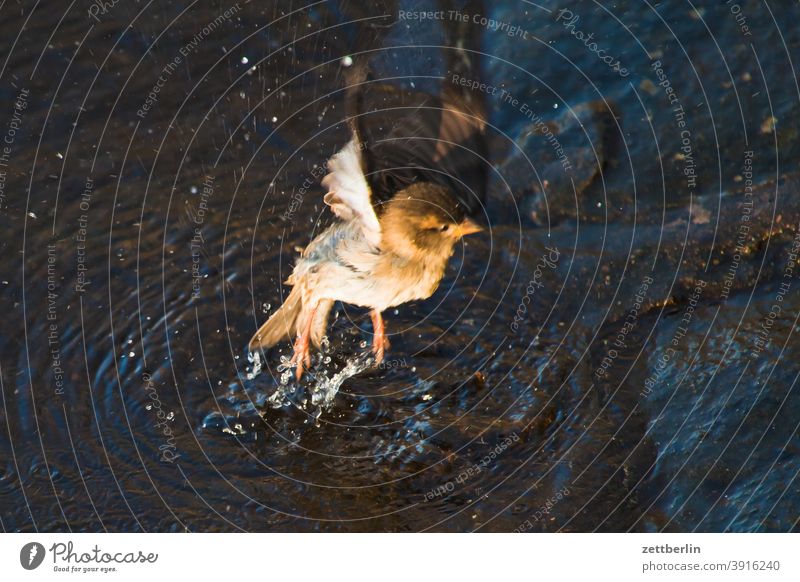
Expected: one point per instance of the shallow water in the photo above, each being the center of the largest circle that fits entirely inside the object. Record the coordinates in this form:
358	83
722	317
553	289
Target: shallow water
613	354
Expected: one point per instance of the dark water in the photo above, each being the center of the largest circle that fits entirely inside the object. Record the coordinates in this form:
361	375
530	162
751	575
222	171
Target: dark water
617	353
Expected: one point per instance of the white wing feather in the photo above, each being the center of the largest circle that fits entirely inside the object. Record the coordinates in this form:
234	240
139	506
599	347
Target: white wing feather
348	194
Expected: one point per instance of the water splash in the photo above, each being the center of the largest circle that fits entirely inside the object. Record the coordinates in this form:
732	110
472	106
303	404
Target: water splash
325	388
325	375
255	359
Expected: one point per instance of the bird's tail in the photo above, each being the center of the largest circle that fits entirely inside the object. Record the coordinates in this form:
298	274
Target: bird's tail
282	325
290	319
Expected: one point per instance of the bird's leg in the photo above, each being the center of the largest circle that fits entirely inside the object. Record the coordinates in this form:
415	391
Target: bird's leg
380	343
302	356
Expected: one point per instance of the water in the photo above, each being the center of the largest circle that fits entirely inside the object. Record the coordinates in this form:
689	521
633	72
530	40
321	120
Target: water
615	354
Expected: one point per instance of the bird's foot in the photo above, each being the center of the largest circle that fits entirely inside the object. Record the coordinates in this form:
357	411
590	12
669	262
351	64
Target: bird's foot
302	356
380	343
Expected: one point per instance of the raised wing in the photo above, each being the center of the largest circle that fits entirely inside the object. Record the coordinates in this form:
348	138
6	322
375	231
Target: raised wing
461	123
416	127
414	137
349	194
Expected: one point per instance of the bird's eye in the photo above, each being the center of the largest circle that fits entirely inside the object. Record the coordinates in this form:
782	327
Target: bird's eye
444	228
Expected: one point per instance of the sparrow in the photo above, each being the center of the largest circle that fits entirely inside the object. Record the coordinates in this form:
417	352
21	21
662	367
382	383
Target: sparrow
398	221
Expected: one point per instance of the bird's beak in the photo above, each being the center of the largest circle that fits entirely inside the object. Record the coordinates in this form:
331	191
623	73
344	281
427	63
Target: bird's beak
469	226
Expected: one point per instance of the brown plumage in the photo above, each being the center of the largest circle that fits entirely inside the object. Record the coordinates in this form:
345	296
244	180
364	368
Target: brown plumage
419	228
383	252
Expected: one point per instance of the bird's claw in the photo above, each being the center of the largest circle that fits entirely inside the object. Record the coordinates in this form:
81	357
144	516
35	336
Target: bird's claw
380	343
379	347
301	357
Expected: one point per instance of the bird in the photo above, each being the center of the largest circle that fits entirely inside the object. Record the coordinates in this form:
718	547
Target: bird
395	230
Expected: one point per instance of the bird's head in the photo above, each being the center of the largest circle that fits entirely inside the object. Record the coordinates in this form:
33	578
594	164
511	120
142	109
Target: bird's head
424	221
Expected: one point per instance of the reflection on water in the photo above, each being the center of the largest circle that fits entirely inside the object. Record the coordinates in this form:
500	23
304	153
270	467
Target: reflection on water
163	167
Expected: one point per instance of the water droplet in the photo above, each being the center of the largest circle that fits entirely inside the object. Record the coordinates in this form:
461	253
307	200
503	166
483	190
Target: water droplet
347	61
274	119
245	60
324	343
255	359
193	189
